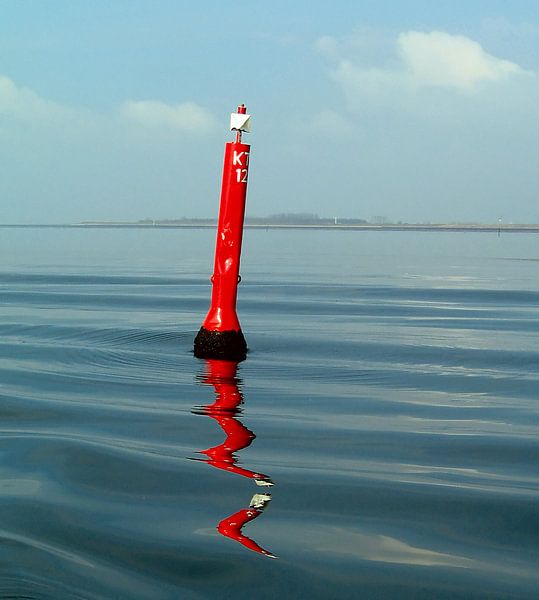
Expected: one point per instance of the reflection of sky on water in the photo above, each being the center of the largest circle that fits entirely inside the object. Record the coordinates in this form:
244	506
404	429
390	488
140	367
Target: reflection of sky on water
381	548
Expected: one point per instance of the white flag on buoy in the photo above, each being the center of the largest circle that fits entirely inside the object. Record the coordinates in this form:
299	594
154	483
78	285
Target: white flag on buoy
240	122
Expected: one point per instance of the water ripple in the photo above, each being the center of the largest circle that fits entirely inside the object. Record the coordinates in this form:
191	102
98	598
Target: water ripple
395	409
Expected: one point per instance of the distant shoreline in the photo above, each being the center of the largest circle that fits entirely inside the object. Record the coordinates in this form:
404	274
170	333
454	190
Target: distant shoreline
282	226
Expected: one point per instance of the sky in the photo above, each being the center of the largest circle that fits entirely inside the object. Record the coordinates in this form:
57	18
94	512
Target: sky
411	110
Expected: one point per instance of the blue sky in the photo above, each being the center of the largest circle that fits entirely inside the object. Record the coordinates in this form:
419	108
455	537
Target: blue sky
412	110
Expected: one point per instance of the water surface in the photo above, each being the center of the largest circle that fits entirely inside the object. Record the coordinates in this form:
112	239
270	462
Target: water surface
390	397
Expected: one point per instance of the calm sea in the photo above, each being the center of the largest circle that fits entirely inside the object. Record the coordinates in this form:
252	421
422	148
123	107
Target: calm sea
390	396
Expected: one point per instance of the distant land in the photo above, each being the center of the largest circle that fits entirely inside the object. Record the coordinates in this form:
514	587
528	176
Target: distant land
303	221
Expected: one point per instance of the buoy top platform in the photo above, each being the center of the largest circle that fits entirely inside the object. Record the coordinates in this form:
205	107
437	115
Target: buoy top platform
221	336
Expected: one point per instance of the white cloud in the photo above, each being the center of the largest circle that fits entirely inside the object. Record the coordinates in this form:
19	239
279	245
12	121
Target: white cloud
24	104
435	125
419	61
328	46
367	82
187	117
454	61
25	111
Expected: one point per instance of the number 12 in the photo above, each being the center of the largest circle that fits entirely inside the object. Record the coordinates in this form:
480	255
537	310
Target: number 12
241	175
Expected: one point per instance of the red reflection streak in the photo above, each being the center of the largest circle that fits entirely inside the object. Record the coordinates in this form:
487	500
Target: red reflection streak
222	376
231	528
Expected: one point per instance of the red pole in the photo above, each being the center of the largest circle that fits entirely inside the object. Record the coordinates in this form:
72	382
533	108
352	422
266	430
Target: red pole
220	335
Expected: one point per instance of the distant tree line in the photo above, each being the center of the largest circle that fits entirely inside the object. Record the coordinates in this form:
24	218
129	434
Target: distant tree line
278	219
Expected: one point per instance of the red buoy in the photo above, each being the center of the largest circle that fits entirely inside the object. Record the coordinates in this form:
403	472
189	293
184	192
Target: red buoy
220	335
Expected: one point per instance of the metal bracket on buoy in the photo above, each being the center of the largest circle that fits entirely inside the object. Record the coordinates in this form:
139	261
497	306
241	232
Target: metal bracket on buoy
220	335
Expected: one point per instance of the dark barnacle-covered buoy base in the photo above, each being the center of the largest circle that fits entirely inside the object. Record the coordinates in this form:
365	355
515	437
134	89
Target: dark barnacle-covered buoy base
223	345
